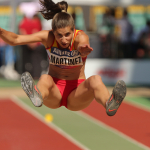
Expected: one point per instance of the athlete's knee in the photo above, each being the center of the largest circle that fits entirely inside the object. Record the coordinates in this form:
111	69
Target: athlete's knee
95	81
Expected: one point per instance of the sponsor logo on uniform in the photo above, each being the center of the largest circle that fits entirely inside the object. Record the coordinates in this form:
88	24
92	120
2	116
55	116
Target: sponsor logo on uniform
64	57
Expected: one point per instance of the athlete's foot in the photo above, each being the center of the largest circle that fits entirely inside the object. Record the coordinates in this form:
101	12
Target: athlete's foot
31	90
115	100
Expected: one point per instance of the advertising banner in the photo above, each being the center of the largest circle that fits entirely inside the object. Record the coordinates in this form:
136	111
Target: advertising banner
131	71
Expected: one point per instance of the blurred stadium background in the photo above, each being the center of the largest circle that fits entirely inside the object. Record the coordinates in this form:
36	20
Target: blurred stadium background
119	32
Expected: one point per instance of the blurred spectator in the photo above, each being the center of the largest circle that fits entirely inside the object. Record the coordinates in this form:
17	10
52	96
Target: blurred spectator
125	33
39	57
36	22
7	62
143	46
106	31
34	54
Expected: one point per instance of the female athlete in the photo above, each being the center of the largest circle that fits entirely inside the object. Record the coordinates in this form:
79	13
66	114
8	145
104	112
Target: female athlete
67	48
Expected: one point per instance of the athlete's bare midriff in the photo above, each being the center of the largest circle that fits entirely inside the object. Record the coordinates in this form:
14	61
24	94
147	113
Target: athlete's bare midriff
67	74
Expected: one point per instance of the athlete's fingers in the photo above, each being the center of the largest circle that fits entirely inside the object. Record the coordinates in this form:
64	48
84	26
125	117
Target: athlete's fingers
89	48
85	51
86	47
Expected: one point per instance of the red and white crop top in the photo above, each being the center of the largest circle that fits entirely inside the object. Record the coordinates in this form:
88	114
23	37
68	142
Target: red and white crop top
65	58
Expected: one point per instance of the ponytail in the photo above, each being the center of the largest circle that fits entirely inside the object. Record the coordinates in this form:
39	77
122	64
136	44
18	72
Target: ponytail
50	9
57	12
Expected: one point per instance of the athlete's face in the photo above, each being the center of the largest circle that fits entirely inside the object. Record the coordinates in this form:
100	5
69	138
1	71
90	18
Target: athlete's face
64	37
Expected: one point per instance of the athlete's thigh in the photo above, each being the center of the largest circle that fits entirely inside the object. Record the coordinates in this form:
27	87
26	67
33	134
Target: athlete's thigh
81	97
54	98
48	87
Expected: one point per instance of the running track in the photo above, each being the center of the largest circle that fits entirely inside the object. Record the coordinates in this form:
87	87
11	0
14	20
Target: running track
19	130
130	120
19	120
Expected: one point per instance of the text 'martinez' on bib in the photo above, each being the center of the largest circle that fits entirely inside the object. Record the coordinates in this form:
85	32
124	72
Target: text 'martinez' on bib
64	58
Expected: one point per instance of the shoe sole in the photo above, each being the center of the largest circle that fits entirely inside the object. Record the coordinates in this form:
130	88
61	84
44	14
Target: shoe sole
27	84
119	93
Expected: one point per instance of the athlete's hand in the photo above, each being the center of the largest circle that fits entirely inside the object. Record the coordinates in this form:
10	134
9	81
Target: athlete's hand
84	50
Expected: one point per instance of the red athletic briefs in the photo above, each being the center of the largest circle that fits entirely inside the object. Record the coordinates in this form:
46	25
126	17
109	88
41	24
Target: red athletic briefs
66	87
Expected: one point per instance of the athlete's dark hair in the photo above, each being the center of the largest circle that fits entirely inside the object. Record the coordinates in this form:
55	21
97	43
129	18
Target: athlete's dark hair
57	12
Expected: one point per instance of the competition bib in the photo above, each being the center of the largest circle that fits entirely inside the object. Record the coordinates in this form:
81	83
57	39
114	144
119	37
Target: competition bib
64	58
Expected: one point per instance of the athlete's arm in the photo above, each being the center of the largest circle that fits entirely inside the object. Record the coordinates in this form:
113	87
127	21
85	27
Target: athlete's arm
15	39
83	45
